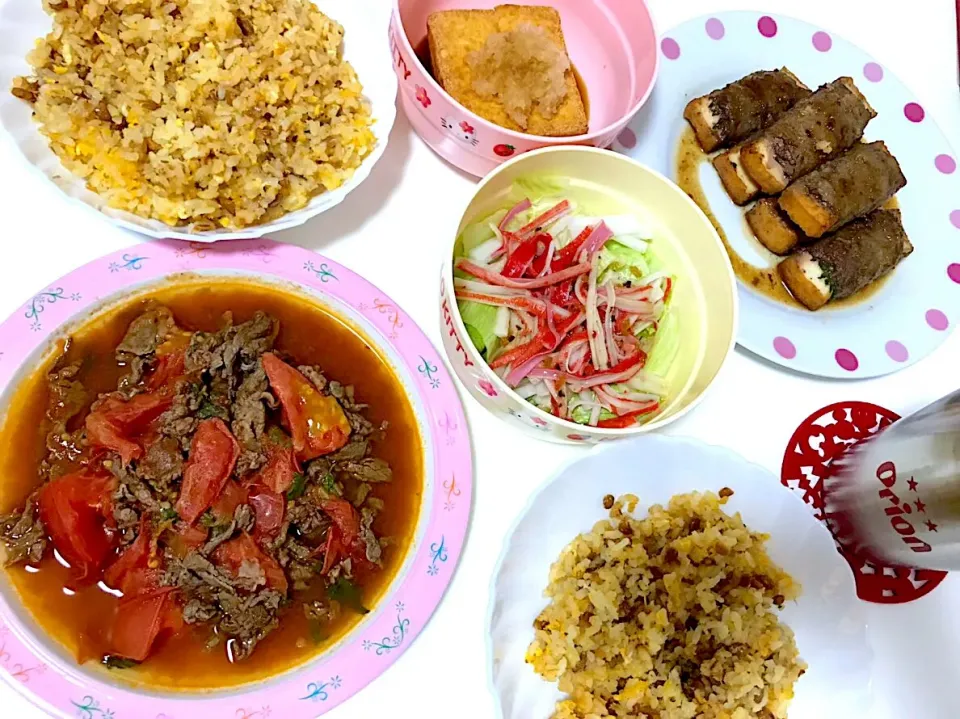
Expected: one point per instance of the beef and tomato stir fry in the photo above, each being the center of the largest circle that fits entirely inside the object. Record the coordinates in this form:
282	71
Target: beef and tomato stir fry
218	482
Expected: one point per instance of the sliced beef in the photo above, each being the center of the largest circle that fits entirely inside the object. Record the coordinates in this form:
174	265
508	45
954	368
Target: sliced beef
306	516
355	449
315	375
249	418
137	349
66	398
299	561
242	521
180	421
23	535
371	470
163	464
246	620
233	349
373	550
147	332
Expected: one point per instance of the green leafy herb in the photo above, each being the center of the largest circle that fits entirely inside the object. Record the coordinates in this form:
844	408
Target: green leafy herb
278	436
208	520
298	487
329	483
348	594
112	661
168	513
208	410
316	631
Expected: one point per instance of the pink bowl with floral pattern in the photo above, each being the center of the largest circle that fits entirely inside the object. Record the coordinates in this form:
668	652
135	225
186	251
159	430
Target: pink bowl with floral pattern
612	44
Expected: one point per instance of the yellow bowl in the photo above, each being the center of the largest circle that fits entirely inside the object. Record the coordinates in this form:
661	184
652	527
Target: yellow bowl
704	294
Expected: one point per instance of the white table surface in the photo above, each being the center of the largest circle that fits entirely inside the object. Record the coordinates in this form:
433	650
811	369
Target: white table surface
394	229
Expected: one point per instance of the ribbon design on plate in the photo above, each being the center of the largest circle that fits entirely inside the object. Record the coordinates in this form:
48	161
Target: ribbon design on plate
39	302
438	553
318	691
388	644
428	370
323	273
453	491
89	708
128	262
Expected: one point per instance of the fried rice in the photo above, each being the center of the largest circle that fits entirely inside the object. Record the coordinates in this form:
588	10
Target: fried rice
211	113
671	616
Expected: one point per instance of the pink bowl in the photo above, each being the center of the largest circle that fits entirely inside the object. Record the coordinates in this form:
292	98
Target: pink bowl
612	44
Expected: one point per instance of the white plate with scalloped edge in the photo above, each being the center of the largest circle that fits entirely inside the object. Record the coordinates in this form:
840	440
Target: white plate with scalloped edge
365	24
828	619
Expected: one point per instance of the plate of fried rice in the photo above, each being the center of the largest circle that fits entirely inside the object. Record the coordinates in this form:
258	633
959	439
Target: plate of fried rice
663	577
199	119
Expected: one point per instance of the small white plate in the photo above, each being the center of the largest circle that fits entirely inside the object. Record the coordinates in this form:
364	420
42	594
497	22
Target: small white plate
828	619
365	22
912	314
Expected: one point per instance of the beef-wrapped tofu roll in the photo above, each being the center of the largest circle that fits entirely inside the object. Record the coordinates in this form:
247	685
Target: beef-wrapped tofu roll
845	262
773	228
733	113
735	180
815	130
847	187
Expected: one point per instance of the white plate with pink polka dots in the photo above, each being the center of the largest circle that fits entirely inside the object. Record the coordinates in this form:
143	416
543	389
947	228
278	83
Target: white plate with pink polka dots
912	313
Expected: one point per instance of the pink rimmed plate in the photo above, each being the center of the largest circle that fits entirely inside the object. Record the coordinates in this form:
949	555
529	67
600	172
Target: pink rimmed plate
41	670
914	311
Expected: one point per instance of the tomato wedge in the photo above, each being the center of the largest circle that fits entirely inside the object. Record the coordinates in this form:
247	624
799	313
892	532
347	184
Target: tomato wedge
183	538
169	368
316	421
277	474
213	454
231	497
268	510
346	521
134	557
116	423
139	621
231	555
71	510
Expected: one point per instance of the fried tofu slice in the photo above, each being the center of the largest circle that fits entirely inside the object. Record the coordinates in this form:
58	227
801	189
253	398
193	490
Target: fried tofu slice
735	179
773	228
454	34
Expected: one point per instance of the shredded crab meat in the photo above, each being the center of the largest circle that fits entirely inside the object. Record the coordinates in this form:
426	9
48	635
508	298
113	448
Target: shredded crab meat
575	322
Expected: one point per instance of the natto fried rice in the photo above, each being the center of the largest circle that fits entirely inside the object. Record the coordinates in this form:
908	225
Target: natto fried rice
211	113
672	616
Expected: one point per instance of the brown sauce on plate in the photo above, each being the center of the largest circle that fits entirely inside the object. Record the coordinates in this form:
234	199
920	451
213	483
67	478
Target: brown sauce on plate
311	335
765	280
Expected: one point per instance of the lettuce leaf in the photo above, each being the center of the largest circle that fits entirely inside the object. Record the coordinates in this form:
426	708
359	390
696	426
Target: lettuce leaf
621	263
480	321
666	345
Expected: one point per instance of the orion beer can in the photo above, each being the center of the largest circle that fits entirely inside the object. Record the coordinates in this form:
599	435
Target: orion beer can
895	497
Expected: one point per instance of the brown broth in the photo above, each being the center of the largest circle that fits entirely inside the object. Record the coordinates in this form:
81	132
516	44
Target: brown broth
765	280
311	335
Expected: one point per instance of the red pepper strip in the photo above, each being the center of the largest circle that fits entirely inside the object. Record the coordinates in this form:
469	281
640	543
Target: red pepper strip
495	278
525	254
536	223
525	304
545	339
561	294
540	259
667	292
522	353
566	255
627	420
